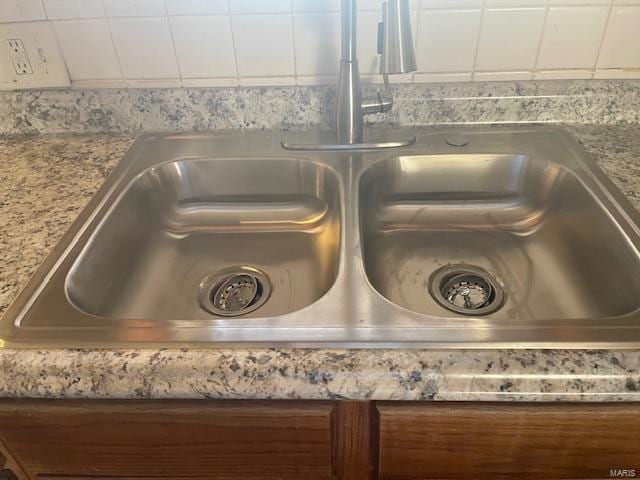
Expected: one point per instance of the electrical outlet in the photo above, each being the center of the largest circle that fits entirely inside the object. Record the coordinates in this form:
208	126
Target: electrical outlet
30	57
19	57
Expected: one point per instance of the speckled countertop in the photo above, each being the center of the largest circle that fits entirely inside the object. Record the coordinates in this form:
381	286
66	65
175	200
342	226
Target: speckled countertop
46	180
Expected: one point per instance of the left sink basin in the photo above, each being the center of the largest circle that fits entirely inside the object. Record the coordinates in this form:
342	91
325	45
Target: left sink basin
194	238
189	239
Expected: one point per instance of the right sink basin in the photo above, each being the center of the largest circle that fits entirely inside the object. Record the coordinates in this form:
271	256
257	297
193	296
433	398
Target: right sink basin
501	236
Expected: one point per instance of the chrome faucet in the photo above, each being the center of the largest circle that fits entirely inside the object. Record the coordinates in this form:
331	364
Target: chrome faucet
395	44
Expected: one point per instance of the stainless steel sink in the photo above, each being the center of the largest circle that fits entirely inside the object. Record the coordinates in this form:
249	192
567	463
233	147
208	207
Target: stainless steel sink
513	238
178	224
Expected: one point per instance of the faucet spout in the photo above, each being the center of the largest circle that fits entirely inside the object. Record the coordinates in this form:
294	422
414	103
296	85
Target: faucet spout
396	47
398	55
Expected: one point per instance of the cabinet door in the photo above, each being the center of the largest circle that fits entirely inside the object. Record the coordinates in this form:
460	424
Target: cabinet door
498	440
9	470
214	440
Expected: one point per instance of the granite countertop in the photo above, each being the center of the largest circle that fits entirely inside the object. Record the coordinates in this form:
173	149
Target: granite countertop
47	179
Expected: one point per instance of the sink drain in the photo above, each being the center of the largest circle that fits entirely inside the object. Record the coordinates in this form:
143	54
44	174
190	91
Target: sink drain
466	289
234	291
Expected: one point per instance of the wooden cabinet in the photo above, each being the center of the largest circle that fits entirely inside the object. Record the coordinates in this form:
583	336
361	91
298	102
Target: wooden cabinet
279	440
244	440
508	440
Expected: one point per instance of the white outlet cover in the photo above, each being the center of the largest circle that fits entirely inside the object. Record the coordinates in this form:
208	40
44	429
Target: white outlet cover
41	46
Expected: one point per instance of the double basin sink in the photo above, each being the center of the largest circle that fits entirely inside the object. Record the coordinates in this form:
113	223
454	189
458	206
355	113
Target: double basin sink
478	237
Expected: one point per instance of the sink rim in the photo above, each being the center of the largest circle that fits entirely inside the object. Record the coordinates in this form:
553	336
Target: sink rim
357	326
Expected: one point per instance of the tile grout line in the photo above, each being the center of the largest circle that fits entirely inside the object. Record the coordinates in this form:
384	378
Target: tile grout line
45	10
478	39
541	40
173	42
602	38
58	44
293	42
113	42
233	41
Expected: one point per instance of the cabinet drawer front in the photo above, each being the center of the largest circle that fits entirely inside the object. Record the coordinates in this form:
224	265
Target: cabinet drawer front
244	440
497	440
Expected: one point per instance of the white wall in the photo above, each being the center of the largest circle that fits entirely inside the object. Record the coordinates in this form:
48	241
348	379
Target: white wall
114	43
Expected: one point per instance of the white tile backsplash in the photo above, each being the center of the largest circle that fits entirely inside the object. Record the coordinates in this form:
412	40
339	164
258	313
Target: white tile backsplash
197	7
316	5
21	11
368	58
264	45
443	77
617	74
447	40
213	55
316	80
135	8
65	9
284	42
579	2
515	3
502	76
509	39
88	49
567	74
145	47
260	6
267	81
451	4
572	37
375	5
317	43
621	45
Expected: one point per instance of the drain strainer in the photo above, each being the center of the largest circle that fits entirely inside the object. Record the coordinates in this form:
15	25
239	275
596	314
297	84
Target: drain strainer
234	291
466	289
